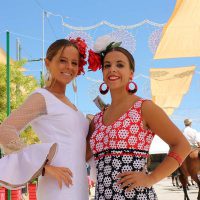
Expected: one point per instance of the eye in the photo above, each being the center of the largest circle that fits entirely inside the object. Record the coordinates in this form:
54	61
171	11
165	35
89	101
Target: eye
75	63
63	61
120	65
106	66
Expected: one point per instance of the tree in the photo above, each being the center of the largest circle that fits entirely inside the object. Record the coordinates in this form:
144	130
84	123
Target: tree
21	86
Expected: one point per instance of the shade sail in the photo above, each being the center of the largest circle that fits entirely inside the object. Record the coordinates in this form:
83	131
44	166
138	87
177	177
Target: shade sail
3	60
3	57
158	146
168	85
181	35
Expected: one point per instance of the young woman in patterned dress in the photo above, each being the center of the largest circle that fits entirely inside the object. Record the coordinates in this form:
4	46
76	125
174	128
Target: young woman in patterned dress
121	135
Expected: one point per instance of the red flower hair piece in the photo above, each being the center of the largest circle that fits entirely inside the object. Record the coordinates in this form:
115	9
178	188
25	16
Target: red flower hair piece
94	60
82	46
101	47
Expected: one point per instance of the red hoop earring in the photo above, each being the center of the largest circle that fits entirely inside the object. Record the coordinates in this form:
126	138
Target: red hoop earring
132	91
103	91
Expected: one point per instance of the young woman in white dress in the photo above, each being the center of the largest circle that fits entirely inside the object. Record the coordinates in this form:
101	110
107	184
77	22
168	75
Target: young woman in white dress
62	129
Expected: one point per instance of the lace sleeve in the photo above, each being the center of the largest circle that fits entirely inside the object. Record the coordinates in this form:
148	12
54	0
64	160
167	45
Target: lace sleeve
10	129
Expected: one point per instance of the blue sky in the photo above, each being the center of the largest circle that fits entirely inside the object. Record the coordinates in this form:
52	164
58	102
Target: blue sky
24	21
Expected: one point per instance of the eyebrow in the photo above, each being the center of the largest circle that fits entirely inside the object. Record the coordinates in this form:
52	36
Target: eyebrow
67	58
118	61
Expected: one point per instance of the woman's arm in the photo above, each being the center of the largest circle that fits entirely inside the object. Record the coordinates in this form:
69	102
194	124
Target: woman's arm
162	126
10	129
88	149
33	107
156	119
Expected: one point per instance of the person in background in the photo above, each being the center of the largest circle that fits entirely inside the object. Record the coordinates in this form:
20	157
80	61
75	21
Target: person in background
191	134
120	136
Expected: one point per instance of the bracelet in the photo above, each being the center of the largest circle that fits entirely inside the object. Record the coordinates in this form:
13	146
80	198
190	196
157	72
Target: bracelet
43	169
176	157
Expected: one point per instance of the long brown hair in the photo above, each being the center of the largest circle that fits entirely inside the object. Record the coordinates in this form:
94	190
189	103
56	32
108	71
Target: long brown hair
56	46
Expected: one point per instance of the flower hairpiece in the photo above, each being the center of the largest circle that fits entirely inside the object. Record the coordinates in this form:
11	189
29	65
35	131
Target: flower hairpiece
101	46
82	47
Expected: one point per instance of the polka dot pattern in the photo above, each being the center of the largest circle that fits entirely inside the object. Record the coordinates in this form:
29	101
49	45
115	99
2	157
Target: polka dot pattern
120	147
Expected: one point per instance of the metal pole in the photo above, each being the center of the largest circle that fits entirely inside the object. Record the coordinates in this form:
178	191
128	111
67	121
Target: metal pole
8	71
43	18
17	49
8	82
41	80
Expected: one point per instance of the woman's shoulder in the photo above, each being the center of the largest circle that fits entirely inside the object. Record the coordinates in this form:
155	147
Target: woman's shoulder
139	102
44	94
97	117
41	91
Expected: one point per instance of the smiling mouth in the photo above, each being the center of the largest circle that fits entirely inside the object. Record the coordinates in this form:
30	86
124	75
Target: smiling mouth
66	74
113	78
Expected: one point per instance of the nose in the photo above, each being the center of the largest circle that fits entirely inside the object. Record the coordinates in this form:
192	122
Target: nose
68	65
112	68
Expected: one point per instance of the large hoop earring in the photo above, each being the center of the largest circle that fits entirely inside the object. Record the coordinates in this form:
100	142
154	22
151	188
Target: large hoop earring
128	88
103	91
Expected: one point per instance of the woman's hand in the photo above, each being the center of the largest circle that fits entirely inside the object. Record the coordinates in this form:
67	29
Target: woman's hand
130	180
61	174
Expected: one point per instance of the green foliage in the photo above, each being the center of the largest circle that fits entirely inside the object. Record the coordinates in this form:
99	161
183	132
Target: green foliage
29	137
20	87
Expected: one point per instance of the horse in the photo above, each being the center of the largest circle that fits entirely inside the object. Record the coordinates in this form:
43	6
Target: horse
176	182
175	178
190	167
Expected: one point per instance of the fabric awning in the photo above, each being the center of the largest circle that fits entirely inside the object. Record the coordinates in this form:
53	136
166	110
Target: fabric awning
181	35
168	85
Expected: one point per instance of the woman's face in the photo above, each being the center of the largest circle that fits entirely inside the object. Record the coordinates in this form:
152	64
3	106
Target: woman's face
116	70
64	65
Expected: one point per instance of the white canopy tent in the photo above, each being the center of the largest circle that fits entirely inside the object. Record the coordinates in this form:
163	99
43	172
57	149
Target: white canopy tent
158	146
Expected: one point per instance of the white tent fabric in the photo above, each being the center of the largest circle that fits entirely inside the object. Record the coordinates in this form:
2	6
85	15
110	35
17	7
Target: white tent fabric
158	146
181	35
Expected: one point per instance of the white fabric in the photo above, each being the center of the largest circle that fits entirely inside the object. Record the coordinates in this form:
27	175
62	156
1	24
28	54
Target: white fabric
93	172
191	135
18	168
10	129
60	124
158	146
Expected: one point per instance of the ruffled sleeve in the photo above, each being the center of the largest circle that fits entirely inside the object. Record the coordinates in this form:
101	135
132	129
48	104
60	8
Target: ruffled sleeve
22	163
17	169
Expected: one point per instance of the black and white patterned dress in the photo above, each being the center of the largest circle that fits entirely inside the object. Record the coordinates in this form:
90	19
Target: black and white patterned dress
120	147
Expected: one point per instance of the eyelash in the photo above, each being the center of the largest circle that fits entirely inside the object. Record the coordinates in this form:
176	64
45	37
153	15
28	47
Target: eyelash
61	60
106	66
118	65
74	63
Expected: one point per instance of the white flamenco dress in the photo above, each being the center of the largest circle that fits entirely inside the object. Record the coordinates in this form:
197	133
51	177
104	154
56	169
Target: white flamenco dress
62	131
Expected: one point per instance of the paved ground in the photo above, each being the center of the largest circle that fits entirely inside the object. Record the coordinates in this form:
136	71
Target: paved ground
166	191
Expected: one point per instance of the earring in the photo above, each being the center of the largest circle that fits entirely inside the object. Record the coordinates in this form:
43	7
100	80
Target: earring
48	78
103	91
128	88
